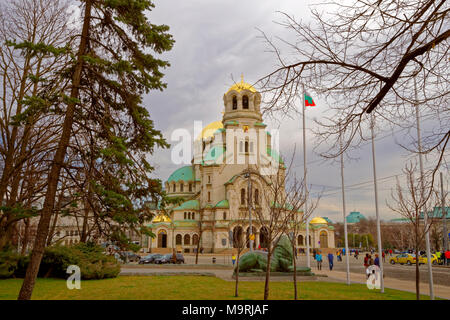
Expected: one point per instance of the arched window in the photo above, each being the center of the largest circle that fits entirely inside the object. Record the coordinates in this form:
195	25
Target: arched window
190	187
187	239
193	215
178	239
234	103
209	196
245	102
243	196
256	196
181	187
185	215
246	146
174	187
300	240
195	239
224	215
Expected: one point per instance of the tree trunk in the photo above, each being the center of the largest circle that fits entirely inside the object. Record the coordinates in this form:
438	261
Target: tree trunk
295	272
236	287
47	210
266	284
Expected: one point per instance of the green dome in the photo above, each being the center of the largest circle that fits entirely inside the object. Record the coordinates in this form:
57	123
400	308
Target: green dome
188	205
355	217
183	174
223	204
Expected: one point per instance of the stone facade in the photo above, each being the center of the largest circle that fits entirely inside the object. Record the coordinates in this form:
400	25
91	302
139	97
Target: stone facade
215	187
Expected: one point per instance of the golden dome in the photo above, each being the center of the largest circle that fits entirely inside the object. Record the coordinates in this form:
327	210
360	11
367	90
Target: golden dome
209	130
318	220
242	86
161	218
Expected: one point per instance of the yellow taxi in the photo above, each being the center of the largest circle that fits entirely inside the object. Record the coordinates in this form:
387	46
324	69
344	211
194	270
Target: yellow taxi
423	259
403	258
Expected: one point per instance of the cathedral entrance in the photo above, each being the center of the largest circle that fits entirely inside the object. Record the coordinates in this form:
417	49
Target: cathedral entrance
237	237
162	239
263	237
323	239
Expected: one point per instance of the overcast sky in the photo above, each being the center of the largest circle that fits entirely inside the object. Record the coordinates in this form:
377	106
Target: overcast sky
216	41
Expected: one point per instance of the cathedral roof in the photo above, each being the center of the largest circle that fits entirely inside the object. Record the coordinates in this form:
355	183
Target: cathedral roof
239	86
210	129
182	174
223	204
318	220
188	205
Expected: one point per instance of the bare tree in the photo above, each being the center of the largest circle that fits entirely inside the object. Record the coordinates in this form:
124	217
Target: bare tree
409	203
363	57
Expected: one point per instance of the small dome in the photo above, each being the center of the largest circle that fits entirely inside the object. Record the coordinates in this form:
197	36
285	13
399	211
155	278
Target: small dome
242	86
182	174
161	218
210	129
318	220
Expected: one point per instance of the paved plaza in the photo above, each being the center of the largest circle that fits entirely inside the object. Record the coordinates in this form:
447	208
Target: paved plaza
400	277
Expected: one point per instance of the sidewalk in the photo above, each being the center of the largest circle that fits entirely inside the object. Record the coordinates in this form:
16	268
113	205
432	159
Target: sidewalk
439	291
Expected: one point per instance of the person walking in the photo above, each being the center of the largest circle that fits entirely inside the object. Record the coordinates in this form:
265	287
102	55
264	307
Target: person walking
384	257
338	255
233	259
319	260
366	261
447	256
377	260
356	254
330	260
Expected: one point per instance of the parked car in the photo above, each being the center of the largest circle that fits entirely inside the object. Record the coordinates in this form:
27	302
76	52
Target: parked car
180	259
164	259
434	259
150	258
129	256
407	258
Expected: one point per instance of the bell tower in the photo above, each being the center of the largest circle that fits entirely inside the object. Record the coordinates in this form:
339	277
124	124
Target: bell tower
242	104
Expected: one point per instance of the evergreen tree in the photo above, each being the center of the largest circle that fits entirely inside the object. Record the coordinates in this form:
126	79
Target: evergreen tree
111	68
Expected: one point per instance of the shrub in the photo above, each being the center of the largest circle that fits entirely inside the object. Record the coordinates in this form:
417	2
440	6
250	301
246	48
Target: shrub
93	263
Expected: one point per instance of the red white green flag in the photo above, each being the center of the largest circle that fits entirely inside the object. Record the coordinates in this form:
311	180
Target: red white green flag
309	102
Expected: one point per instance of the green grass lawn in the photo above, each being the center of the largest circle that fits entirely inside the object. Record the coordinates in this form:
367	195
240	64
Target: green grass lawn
193	288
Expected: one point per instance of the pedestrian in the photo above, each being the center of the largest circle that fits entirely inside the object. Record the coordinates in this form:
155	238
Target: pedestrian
384	257
366	261
319	260
390	252
233	259
377	260
447	256
330	260
356	254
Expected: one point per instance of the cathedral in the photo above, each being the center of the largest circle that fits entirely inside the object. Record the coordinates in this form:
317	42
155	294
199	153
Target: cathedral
214	187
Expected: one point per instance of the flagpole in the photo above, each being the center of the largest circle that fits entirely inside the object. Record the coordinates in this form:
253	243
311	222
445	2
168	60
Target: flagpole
347	253
308	258
380	249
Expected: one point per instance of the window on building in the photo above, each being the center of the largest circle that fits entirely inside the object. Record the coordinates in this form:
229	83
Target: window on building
209	196
241	146
209	179
187	239
246	146
181	187
193	215
185	215
243	196
256	196
224	215
174	187
178	239
245	102
234	103
189	215
190	187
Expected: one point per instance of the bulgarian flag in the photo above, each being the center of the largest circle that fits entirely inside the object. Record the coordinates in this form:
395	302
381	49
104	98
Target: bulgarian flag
309	102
